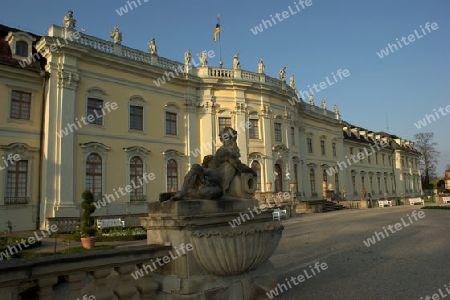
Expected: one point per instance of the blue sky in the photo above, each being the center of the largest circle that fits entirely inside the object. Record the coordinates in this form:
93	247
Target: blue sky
397	90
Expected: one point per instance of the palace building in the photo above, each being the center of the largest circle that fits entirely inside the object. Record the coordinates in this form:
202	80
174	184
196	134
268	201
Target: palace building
86	113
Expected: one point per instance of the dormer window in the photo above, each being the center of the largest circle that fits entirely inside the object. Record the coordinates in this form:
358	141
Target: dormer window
20	44
22	48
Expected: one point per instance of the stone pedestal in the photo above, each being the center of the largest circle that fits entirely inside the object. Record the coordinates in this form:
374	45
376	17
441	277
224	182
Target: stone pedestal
225	260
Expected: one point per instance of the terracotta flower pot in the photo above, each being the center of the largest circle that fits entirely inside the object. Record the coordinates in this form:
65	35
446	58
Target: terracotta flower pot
88	242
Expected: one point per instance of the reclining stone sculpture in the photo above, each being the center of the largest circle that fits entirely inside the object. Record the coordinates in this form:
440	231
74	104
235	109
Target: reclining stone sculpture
220	176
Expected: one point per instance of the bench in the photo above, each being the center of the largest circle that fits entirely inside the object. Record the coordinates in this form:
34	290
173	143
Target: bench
108	223
383	203
413	201
446	200
277	214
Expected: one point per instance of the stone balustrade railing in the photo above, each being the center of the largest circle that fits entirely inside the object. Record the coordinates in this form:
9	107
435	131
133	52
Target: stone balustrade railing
65	224
96	43
221	73
164	63
104	274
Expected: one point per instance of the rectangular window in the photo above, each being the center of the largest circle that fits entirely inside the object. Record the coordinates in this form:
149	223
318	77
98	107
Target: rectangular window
379	185
22	48
95	109
351	150
383	156
362	160
253	130
20	105
333	145
224	122
369	159
277	132
362	182
16	183
390	160
293	136
136	117
171	123
322	147
309	143
385	184
376	158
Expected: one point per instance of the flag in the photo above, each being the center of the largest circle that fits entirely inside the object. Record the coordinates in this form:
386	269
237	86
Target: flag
216	32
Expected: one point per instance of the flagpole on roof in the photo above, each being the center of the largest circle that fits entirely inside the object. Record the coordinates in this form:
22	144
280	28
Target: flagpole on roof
220	44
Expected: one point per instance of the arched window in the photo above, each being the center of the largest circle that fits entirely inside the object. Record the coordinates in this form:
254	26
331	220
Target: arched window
172	175
94	175
136	173
278	177
312	181
22	48
257	168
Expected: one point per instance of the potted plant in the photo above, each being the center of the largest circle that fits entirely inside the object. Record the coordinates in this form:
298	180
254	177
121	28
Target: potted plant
88	230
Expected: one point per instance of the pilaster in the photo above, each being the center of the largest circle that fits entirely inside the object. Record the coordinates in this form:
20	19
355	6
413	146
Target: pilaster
190	128
242	130
207	132
267	138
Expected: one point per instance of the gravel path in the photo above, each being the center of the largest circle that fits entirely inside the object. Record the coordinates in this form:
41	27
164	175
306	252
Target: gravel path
411	263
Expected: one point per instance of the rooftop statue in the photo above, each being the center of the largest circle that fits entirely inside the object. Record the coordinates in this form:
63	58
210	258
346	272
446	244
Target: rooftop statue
261	67
69	21
187	57
222	174
204	59
282	74
152	47
116	35
236	63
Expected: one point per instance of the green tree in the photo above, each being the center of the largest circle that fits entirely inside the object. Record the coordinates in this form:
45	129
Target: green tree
429	159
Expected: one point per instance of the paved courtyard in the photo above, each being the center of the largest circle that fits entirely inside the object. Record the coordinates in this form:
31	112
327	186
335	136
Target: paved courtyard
408	264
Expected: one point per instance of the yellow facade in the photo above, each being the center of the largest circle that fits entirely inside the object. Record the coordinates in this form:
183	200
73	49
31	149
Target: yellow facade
168	127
